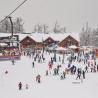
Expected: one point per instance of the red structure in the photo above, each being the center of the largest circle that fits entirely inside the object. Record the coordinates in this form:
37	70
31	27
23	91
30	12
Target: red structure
96	52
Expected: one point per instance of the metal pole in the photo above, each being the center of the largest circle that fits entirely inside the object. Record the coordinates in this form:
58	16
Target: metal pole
11	26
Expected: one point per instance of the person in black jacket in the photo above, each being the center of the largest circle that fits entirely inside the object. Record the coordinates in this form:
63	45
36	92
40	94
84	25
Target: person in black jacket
83	72
33	64
20	85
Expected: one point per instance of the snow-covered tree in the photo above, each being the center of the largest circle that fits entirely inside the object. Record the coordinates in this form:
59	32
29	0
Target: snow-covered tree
58	29
89	37
95	37
18	25
5	26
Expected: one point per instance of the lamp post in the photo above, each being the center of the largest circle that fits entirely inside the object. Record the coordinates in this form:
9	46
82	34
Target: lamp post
10	18
11	25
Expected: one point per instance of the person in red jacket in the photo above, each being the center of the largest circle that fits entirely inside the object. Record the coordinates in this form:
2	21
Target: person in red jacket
38	78
50	65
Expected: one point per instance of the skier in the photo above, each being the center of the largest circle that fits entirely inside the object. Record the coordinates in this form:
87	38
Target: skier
55	71
50	65
59	59
97	67
64	74
6	72
38	78
43	59
83	72
46	72
74	70
78	74
92	68
20	85
27	86
33	64
13	62
58	67
94	62
86	69
61	76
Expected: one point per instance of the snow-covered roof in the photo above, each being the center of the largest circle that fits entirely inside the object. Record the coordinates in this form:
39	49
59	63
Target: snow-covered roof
3	44
73	47
39	37
61	48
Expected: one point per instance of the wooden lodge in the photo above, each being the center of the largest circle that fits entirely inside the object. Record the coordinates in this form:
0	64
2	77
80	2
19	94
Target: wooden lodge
35	42
68	41
39	45
27	42
48	41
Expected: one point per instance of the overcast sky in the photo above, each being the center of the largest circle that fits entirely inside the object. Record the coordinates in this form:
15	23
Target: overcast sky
72	14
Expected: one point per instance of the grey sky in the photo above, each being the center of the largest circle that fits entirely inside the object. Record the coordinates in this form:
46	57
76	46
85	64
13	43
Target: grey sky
70	13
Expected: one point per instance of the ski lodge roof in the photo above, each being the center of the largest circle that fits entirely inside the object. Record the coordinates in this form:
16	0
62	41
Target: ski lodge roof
39	37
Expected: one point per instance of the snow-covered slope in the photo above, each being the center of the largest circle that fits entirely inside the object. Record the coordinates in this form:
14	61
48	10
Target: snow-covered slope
50	86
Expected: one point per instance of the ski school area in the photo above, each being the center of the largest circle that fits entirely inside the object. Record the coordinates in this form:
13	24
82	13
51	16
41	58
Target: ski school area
48	74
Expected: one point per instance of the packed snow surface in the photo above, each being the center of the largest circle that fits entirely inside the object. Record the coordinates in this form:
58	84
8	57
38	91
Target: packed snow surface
50	86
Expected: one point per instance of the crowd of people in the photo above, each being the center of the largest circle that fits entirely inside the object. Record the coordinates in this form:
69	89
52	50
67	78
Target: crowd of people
87	60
